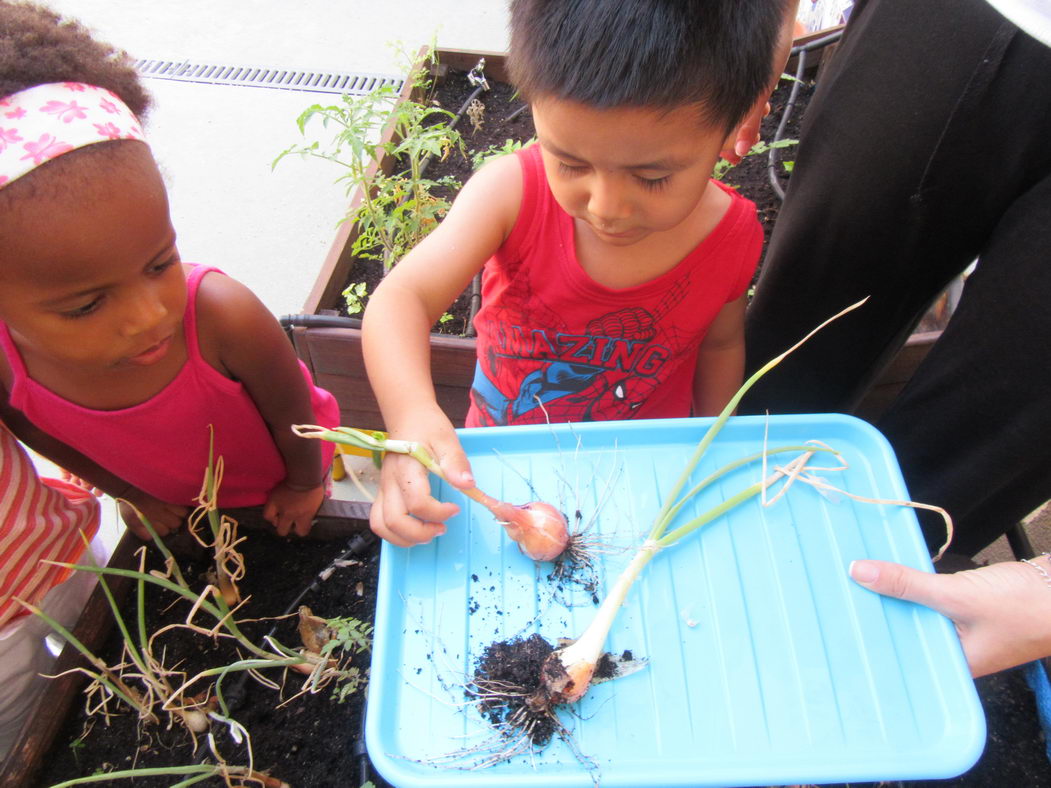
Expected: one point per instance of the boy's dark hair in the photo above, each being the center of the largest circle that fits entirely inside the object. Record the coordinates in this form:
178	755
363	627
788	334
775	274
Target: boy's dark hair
37	47
715	54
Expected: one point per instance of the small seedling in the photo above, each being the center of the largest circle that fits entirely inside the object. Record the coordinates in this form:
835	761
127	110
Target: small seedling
478	158
354	297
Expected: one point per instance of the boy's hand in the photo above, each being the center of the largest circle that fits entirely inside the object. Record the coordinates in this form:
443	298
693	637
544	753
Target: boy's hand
164	517
404	512
292	510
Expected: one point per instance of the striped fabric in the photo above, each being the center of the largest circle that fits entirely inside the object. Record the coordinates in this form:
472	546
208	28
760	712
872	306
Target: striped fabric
40	519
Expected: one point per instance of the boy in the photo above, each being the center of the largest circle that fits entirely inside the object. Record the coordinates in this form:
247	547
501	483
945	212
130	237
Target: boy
615	268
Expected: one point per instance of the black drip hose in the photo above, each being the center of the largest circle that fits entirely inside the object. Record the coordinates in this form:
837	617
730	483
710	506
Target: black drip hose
800	51
482	85
771	168
476	304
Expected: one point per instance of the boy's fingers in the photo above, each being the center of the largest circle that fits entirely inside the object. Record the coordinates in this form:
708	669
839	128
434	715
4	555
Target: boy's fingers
389	519
901	582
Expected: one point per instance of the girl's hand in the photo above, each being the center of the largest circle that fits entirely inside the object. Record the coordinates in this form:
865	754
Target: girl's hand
404	512
1002	612
293	510
164	517
83	484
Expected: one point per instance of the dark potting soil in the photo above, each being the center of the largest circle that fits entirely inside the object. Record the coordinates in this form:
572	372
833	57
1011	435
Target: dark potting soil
313	741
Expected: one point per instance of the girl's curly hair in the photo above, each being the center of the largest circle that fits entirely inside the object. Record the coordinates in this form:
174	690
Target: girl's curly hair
38	46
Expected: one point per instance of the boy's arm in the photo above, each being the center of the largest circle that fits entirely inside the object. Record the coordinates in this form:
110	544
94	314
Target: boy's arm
720	361
396	332
164	517
240	335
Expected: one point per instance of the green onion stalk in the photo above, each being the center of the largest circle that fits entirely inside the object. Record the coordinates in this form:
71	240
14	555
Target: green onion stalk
567	673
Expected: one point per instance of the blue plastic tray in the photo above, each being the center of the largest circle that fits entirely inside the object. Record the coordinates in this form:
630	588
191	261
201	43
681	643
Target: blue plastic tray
767	664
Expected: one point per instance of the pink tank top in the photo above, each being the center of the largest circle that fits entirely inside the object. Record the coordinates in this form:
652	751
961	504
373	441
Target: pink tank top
161	445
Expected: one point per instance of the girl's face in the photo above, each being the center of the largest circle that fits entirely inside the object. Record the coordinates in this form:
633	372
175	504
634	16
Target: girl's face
89	274
629	172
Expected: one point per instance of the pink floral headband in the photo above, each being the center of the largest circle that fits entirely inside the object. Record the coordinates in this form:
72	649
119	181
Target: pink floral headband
42	122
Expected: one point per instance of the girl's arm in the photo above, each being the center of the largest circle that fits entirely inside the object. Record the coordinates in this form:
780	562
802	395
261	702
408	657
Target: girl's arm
164	517
396	333
720	361
241	338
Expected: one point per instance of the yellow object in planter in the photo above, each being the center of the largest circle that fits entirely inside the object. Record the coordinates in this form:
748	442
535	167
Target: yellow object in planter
339	471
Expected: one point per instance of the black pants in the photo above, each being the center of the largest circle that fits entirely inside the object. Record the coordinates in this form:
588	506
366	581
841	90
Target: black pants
927	145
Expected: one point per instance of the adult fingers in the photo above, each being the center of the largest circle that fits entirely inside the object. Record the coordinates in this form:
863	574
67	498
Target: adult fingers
903	582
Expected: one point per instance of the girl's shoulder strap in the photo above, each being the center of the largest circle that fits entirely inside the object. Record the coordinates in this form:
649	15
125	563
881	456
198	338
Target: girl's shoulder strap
193	284
13	358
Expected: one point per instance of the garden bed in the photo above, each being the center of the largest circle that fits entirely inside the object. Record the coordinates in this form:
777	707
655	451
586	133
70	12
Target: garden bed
314	740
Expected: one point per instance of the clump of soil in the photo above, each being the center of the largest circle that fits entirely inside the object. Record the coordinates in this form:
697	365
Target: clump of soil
508	674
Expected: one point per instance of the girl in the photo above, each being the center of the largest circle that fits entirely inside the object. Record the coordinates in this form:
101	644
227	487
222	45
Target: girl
117	360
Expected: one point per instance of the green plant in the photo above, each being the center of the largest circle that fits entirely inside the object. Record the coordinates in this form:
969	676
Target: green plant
722	167
354	296
400	208
349	636
478	158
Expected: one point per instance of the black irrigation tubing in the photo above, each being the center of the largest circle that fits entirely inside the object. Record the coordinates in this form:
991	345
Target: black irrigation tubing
801	52
516	113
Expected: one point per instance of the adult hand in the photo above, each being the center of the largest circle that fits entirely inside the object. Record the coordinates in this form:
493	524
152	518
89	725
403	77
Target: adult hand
404	512
1002	612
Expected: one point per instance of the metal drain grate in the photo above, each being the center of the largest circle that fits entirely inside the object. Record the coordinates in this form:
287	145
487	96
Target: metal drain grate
355	84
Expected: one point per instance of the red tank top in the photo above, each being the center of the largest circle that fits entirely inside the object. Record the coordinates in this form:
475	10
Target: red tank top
555	345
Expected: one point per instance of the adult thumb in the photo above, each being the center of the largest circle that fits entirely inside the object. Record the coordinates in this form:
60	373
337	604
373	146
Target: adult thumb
898	581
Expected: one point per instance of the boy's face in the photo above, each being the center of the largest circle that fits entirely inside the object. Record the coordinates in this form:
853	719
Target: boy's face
628	173
90	278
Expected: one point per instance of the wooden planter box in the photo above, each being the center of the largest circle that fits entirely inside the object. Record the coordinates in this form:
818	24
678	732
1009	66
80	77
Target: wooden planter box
335	359
54	705
334	354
